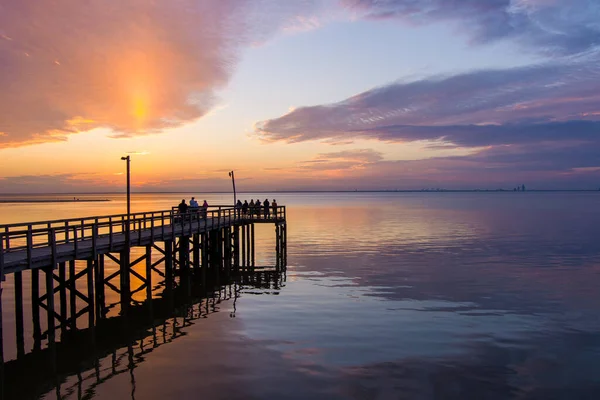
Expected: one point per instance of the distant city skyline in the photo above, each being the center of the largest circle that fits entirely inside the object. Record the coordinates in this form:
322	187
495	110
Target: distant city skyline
312	95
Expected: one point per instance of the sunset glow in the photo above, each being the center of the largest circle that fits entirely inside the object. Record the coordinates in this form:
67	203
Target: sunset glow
328	96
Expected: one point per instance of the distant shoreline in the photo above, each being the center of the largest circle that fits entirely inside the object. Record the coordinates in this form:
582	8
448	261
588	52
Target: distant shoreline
499	190
53	201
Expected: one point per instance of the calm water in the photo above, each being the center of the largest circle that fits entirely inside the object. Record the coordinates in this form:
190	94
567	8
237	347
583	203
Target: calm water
387	296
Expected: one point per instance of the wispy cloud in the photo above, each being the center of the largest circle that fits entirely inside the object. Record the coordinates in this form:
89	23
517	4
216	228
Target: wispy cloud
549	26
341	160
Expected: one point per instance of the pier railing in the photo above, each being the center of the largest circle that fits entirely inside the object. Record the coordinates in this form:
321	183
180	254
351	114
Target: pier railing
27	236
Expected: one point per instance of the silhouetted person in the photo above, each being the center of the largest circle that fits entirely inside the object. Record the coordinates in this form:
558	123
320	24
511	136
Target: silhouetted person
267	208
274	205
204	209
182	207
257	205
193	204
245	208
238	208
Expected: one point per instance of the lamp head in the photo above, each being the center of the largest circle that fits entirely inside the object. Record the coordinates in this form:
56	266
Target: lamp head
125	158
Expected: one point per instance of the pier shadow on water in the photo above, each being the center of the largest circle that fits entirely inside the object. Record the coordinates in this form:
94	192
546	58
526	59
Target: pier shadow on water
123	334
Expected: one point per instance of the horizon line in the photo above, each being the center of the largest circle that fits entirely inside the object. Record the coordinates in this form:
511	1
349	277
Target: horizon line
440	190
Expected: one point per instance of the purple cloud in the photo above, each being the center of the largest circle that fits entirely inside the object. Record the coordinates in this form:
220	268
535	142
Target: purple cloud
550	102
341	160
360	155
552	26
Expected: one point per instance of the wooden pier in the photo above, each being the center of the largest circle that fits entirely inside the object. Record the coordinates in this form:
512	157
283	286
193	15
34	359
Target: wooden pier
217	244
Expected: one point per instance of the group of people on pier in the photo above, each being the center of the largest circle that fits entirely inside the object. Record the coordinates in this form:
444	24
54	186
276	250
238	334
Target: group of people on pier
193	207
254	209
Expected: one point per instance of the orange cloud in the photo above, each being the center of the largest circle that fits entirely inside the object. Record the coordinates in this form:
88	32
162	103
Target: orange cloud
134	66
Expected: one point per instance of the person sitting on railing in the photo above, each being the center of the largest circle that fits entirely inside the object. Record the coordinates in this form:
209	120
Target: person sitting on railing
182	207
267	209
193	205
274	205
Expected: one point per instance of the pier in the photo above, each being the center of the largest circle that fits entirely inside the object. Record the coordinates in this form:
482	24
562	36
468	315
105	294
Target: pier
71	264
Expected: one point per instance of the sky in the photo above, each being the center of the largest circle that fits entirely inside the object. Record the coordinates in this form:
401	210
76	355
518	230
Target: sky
299	95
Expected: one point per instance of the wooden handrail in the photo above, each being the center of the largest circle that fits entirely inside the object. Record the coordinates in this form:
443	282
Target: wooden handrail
27	236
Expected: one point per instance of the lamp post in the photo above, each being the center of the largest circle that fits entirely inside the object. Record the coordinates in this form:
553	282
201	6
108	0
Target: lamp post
128	159
233	181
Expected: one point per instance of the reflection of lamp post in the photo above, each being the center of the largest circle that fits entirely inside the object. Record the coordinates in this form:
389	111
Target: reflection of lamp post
128	159
233	181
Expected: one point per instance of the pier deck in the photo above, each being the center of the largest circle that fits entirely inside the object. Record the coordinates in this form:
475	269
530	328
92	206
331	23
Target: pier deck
39	244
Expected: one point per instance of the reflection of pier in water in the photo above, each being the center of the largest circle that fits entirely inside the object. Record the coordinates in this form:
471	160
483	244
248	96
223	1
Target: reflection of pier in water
122	341
197	253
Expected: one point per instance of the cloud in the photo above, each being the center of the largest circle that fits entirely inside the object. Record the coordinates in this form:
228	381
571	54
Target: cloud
360	155
550	26
557	101
56	183
341	160
133	66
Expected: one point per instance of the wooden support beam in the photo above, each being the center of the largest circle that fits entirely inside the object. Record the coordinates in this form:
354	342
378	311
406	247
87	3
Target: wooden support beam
137	261
29	245
277	245
35	308
252	244
1	341
124	275
56	316
50	305
149	274
169	263
112	276
99	283
138	275
196	251
243	245
236	247
285	244
204	244
184	253
94	240
72	295
18	282
113	258
62	274
90	288
161	251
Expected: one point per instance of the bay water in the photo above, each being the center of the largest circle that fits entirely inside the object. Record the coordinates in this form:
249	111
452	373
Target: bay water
483	295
